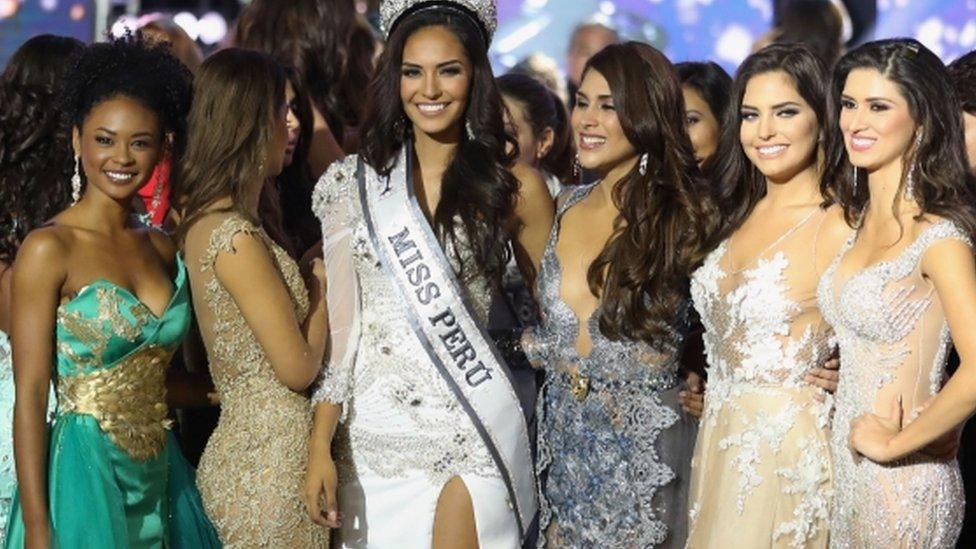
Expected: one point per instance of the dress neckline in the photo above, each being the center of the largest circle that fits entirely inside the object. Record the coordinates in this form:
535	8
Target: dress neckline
179	281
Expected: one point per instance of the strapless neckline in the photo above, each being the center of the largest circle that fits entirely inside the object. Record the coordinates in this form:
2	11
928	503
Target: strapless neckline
179	281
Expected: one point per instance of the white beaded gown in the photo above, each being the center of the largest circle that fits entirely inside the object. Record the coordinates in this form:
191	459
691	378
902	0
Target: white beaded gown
402	435
893	342
761	474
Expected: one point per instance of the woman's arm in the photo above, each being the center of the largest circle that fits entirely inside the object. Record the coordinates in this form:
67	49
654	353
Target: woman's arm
321	480
294	350
534	216
951	268
38	277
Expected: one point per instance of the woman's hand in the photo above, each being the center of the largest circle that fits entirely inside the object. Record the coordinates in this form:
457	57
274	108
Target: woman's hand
871	434
693	396
321	482
825	377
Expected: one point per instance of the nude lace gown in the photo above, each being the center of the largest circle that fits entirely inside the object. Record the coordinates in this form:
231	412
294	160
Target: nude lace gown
893	341
252	472
761	474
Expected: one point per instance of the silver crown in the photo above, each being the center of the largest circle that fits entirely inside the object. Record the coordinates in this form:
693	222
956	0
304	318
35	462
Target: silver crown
485	11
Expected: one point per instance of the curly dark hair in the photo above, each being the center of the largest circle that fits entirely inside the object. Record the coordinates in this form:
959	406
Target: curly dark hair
328	44
135	68
943	185
544	109
35	143
739	183
666	214
478	192
962	72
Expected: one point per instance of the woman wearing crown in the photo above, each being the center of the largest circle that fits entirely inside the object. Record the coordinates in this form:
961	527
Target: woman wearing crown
430	444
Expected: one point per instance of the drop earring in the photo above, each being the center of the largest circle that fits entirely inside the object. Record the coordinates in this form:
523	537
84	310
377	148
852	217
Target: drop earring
76	181
468	130
576	167
854	182
910	178
642	167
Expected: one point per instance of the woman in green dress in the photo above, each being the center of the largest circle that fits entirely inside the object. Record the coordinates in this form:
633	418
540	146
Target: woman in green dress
104	302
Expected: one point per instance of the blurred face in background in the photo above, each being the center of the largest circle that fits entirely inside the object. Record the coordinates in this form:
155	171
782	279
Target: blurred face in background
702	124
532	147
586	42
969	119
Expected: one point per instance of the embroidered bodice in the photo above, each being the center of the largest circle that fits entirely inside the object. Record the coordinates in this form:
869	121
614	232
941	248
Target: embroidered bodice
614	455
112	355
893	342
376	364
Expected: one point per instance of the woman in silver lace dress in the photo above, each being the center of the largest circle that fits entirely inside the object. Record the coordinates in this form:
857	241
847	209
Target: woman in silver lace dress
896	164
416	450
614	444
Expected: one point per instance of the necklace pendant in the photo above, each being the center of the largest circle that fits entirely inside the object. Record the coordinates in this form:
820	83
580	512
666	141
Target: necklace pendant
579	386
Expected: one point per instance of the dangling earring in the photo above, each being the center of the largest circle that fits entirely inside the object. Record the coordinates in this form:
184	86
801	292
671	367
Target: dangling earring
642	167
576	167
76	181
854	182
468	130
910	179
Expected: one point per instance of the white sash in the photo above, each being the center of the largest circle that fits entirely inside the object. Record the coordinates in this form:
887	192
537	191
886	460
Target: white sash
444	323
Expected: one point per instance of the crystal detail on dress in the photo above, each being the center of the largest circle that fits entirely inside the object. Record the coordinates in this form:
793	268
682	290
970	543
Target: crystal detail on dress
400	417
893	340
485	10
763	438
615	455
252	473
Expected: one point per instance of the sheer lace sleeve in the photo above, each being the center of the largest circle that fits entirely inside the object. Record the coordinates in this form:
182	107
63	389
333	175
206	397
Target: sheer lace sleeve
333	202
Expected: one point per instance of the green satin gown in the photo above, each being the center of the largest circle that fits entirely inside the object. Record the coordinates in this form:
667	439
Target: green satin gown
116	478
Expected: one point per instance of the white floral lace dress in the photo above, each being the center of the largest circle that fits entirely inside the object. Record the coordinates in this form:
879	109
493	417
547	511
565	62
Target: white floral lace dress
761	473
403	435
893	342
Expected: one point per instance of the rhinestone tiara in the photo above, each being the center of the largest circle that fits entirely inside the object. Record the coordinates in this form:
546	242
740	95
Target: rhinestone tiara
484	12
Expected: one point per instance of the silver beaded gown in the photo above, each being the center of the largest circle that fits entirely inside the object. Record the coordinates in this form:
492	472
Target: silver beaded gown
893	342
614	459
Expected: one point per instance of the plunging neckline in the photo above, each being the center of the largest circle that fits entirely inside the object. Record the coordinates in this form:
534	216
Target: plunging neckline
177	282
578	322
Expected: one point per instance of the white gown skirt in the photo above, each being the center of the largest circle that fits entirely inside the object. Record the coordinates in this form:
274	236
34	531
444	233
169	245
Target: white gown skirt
398	513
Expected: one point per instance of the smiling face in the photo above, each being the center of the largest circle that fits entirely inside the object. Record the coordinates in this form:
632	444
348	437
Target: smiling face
292	123
435	78
702	124
600	138
875	119
120	143
778	129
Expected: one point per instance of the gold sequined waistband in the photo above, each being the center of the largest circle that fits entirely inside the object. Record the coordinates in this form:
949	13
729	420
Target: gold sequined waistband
128	401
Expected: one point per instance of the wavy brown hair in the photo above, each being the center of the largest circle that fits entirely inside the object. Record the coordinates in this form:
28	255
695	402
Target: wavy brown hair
666	215
35	141
943	185
237	94
328	44
477	192
739	183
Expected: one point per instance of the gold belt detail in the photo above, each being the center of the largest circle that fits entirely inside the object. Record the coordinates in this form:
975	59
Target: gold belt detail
128	401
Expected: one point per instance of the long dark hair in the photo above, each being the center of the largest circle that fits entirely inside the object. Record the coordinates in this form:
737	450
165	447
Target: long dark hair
326	42
739	182
231	124
477	192
544	110
35	141
943	185
286	203
665	214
